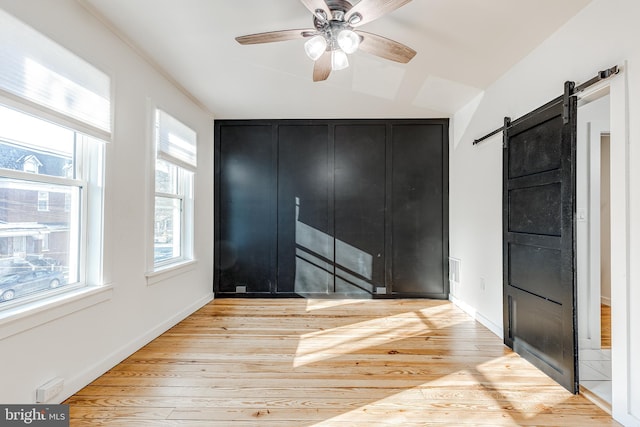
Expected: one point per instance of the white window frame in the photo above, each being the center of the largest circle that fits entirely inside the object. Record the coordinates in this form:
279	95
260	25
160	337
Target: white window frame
25	313
158	271
90	288
86	152
182	194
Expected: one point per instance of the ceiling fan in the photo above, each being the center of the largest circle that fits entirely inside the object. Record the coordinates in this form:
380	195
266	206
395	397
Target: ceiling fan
333	35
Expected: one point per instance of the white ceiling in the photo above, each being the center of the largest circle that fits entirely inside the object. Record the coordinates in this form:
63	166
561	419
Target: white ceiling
463	46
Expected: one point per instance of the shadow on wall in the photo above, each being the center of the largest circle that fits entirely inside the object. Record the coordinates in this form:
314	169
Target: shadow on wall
320	258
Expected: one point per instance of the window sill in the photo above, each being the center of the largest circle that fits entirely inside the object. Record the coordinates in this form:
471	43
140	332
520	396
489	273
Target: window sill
169	271
27	316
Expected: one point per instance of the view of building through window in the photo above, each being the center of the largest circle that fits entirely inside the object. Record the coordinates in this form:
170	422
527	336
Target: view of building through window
39	206
168	218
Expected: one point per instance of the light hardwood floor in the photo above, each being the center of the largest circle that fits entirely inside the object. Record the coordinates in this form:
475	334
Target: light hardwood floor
605	326
297	362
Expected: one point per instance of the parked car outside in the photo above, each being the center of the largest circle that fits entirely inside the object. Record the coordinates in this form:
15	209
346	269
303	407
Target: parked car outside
20	266
43	262
31	263
24	283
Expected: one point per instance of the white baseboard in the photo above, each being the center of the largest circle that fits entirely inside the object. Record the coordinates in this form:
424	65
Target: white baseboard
588	344
605	301
74	384
497	330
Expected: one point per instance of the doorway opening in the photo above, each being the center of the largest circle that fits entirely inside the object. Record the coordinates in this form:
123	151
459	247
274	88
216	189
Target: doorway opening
605	241
594	246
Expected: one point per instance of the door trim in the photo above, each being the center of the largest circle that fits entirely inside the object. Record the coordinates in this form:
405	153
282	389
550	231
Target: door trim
624	378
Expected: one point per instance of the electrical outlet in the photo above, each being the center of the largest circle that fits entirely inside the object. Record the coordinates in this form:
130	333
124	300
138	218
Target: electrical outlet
482	284
454	270
581	215
48	391
454	288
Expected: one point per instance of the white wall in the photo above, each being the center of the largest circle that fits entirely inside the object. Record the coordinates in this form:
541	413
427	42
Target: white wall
83	345
593	119
603	34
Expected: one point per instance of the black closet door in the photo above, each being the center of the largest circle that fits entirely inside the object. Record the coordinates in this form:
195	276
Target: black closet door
305	222
418	210
359	207
538	226
246	246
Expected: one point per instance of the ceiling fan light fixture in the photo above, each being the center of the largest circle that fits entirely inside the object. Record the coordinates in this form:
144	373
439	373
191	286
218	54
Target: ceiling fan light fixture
339	60
335	34
321	15
355	19
348	41
315	47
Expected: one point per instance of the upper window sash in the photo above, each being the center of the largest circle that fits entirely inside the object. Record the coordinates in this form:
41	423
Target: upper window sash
37	74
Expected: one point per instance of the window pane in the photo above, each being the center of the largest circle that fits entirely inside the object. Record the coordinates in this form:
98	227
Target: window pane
43	201
166	177
32	145
38	248
167	229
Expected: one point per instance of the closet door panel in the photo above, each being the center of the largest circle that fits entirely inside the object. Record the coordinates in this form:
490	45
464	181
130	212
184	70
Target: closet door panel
360	206
417	200
305	234
246	246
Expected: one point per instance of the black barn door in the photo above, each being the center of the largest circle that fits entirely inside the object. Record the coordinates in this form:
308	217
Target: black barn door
538	239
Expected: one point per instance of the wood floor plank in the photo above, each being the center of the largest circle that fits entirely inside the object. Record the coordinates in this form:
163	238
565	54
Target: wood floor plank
605	325
411	398
253	362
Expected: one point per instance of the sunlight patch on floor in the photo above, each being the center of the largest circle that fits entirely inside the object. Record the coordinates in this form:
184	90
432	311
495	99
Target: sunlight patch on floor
351	338
321	345
321	304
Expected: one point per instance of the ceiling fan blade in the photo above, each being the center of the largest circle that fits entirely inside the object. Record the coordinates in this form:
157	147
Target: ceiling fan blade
370	10
314	5
322	67
385	48
275	36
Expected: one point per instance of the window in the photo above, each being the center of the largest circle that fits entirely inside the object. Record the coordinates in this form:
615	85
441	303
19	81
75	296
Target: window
43	201
35	226
175	165
55	114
